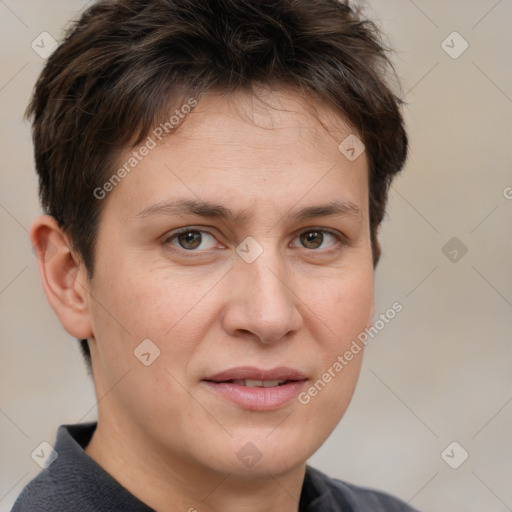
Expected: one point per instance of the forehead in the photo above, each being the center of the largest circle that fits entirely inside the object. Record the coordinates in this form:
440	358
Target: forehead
273	121
272	147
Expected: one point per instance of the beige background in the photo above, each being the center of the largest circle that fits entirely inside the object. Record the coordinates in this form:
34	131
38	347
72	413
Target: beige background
439	372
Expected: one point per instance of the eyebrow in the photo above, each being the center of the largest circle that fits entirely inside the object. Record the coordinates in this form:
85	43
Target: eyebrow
218	211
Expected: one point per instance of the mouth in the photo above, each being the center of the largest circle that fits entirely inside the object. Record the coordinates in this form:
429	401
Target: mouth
253	383
257	389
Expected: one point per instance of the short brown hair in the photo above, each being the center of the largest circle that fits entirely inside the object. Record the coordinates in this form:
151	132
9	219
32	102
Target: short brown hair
124	62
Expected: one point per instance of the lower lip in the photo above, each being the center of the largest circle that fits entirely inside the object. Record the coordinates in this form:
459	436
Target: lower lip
257	398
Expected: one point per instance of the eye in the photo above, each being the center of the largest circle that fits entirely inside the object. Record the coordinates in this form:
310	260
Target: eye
318	239
192	239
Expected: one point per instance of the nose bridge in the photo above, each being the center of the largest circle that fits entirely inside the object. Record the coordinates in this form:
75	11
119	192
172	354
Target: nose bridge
264	303
269	282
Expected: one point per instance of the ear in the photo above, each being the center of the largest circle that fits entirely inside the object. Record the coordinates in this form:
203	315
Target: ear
63	275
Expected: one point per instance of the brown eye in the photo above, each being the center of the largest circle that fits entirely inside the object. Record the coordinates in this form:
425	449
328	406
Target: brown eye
319	240
190	240
193	240
312	239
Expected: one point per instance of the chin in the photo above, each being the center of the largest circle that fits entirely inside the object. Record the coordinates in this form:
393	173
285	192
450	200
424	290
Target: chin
258	454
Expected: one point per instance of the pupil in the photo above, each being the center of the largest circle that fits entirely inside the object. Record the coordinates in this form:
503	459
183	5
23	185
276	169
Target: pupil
190	240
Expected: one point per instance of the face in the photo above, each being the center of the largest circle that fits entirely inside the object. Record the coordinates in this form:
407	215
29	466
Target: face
240	248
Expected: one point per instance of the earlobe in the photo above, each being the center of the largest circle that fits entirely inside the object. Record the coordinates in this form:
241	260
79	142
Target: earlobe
63	276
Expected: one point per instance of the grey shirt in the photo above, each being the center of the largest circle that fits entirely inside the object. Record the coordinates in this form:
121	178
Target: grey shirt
75	483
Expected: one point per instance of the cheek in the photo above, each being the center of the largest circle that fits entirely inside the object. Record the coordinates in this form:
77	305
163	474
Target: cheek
345	304
130	306
344	310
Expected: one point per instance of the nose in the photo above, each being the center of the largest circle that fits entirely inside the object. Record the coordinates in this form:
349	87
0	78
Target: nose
262	303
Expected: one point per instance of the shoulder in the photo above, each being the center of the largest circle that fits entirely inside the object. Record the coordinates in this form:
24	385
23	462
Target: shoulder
73	482
336	495
56	488
40	494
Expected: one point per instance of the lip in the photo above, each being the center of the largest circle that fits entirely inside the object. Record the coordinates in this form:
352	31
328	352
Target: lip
250	372
257	398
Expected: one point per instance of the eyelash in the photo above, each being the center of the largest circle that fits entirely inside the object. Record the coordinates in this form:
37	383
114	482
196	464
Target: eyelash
341	240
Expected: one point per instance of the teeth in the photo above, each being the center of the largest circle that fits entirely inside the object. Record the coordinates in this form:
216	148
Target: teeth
251	383
272	383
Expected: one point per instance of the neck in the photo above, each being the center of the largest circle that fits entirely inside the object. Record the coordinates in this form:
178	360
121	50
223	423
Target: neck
169	482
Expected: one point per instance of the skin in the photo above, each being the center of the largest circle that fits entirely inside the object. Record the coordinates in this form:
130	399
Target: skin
161	432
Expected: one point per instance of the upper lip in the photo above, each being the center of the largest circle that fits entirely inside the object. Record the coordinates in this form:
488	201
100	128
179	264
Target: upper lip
250	372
